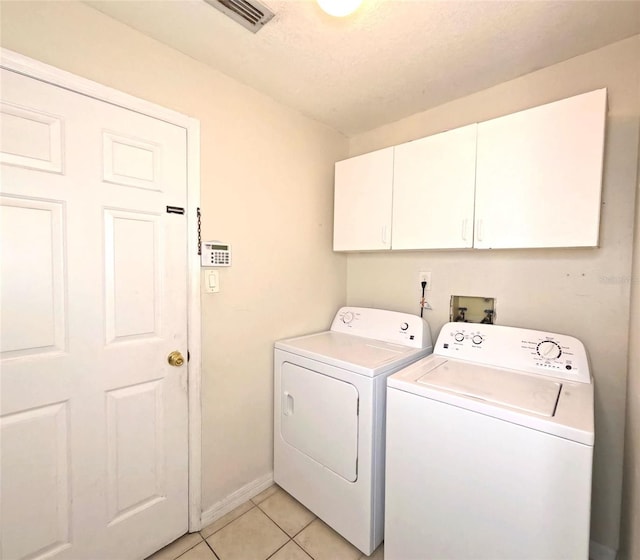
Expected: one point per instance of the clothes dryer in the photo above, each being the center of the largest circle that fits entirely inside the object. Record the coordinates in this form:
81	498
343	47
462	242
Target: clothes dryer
329	415
490	447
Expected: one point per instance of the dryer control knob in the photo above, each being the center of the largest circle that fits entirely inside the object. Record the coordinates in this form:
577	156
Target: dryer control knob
459	337
404	326
347	317
477	339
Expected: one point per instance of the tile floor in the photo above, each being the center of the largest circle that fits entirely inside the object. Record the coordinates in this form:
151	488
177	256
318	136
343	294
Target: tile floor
271	526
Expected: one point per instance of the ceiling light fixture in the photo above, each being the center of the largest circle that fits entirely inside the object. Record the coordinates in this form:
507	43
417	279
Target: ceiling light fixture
339	8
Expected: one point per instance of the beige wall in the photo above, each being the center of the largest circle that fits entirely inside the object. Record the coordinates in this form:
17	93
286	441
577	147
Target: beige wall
267	188
582	292
630	546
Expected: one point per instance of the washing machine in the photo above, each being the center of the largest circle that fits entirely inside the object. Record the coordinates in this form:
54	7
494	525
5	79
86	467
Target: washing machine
329	415
490	448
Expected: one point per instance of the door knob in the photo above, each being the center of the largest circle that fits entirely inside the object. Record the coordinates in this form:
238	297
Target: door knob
175	359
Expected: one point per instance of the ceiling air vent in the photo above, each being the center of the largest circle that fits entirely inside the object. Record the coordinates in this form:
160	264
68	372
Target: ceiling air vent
252	15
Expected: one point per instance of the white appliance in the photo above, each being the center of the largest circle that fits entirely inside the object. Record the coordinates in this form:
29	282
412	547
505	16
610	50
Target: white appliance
489	448
329	408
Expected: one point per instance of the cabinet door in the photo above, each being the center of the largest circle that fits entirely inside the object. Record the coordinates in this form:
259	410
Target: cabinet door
433	188
539	175
362	204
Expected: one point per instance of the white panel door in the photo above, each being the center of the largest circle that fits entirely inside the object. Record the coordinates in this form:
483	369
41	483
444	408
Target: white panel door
433	187
93	295
362	203
319	417
539	175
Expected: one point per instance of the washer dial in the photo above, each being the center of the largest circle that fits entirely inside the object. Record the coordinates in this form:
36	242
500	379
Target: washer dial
404	326
549	350
347	317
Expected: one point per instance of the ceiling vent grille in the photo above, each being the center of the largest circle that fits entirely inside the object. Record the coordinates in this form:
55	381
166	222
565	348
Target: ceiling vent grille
252	15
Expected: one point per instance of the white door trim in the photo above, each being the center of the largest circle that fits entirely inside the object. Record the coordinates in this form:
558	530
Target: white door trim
35	69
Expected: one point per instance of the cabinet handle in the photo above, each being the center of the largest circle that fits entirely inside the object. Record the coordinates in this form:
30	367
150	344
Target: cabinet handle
384	234
464	229
479	230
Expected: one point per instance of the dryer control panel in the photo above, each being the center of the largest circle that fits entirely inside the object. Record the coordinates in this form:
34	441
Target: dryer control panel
380	324
553	355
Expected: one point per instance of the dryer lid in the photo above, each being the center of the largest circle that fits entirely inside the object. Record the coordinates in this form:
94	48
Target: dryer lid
365	356
521	392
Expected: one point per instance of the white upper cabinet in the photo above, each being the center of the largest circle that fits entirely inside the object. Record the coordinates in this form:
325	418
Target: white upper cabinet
362	204
539	175
525	180
433	191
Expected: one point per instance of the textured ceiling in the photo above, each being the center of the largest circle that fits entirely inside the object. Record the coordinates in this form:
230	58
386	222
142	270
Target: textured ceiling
389	60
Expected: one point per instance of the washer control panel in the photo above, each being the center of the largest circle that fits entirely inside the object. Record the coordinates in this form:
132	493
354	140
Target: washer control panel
390	326
531	351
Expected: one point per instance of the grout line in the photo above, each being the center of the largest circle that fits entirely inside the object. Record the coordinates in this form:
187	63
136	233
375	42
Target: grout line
294	536
278	489
278	549
254	505
190	548
230	522
310	522
295	544
291	538
276	523
211	548
281	528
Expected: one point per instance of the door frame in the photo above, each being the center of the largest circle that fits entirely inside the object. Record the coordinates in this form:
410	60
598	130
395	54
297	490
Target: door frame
16	62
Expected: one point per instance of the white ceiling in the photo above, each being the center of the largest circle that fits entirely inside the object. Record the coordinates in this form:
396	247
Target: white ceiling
389	60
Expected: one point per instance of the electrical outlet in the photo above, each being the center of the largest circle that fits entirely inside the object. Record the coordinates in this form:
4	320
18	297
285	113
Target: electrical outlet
425	277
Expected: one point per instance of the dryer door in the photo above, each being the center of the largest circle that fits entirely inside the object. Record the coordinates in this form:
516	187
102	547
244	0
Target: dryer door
319	417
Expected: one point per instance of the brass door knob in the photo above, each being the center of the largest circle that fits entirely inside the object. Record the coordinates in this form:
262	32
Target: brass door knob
175	359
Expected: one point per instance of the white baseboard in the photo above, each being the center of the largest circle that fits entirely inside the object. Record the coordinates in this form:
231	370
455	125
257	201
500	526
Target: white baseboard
598	551
239	497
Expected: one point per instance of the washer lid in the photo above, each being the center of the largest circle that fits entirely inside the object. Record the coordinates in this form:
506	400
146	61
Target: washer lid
521	392
485	390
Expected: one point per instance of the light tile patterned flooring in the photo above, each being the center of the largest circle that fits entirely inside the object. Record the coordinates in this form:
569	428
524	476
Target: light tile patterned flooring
273	526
